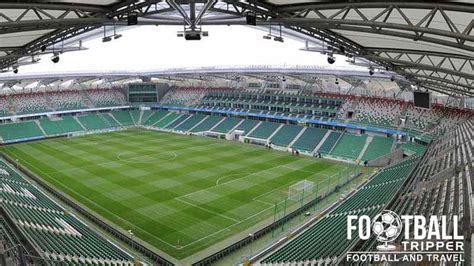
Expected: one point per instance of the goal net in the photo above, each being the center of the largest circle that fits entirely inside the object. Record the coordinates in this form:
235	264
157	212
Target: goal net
298	190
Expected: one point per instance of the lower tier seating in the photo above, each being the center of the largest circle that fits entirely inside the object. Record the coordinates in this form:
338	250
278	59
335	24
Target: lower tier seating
59	236
153	118
176	122
109	120
247	125
22	130
190	122
379	146
227	125
330	141
286	134
135	116
123	117
92	122
264	130
326	240
310	139
349	146
207	124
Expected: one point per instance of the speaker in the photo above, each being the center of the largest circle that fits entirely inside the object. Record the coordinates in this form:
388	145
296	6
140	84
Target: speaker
251	19
132	19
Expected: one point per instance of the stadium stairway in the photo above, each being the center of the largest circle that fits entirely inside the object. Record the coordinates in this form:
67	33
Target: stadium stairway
330	141
349	146
275	132
322	141
249	126
207	124
295	139
167	120
378	147
109	120
368	140
154	118
285	135
222	119
136	116
189	122
228	124
123	117
79	122
39	126
178	121
145	114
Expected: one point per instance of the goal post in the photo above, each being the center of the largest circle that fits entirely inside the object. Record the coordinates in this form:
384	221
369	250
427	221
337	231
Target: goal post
298	190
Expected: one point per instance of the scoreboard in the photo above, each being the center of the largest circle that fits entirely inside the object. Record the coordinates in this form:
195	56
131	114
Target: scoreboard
142	93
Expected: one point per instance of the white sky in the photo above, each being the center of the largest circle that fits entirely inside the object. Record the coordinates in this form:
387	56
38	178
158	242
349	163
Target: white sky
152	47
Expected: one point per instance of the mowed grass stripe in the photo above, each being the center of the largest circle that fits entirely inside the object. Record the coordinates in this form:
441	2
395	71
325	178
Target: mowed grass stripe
209	191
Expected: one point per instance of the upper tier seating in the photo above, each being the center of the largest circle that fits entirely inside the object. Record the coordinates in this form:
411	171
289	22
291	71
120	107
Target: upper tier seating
59	236
207	124
326	240
228	124
310	139
4	106
378	147
66	100
274	103
378	111
264	130
184	96
286	134
349	146
22	130
330	141
29	103
105	97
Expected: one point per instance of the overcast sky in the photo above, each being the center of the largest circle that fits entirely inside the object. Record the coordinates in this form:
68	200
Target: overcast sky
158	47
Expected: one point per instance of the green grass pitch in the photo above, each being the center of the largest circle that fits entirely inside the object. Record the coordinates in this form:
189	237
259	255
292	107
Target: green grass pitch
178	193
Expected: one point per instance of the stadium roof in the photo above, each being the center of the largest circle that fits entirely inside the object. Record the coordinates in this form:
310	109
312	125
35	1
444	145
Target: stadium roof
431	43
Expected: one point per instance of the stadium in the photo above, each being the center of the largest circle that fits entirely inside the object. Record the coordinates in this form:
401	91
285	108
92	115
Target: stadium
112	154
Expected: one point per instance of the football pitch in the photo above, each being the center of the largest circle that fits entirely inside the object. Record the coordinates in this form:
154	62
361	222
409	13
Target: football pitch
178	193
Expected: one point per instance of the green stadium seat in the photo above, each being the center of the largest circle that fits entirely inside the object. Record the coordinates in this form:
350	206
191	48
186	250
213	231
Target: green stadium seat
264	130
286	135
21	130
378	147
329	143
227	125
310	139
349	146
